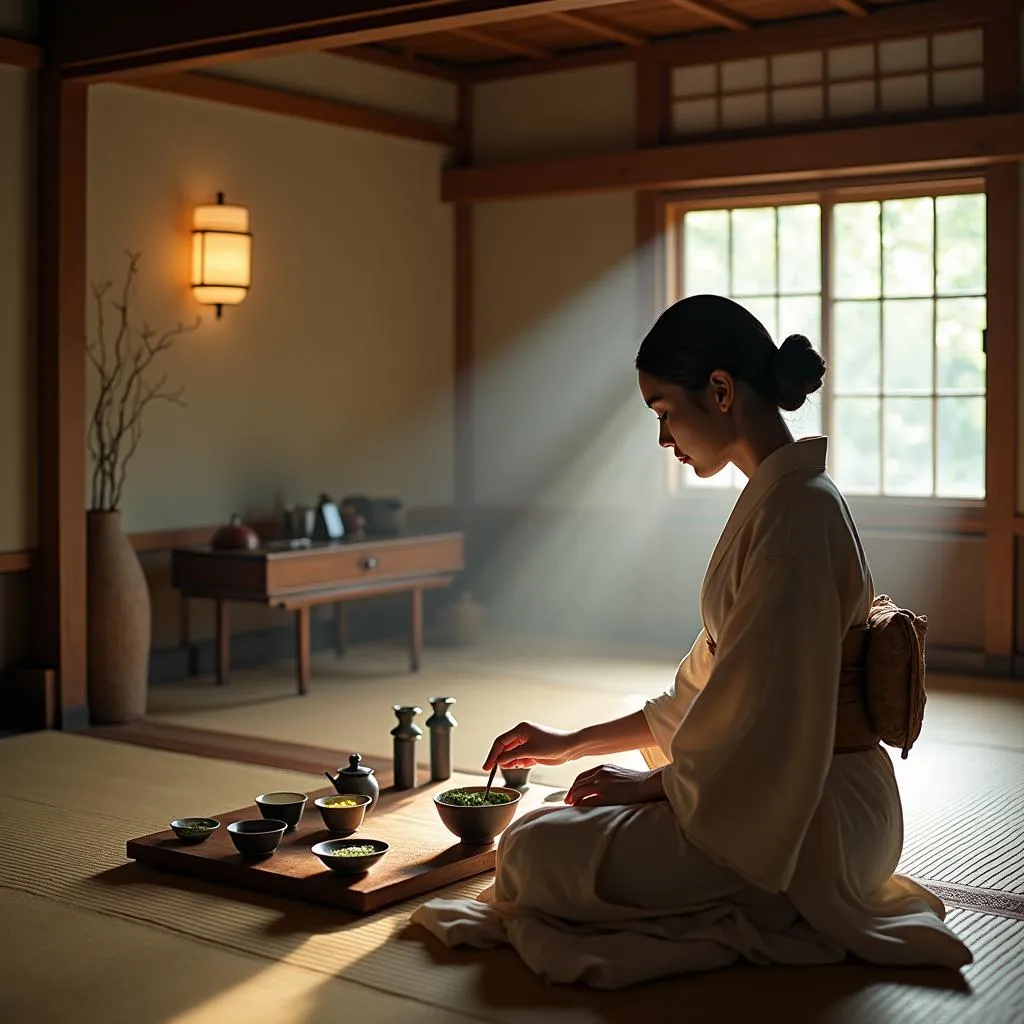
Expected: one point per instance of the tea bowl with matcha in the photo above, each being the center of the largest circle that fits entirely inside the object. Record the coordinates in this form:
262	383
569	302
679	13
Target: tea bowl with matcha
351	856
194	830
343	813
466	814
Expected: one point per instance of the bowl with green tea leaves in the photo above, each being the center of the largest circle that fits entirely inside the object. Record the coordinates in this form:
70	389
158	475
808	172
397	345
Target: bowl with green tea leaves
343	812
474	815
351	856
194	830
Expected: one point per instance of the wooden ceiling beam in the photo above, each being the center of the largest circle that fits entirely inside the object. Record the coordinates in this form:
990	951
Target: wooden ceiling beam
715	12
311	108
852	7
599	28
947	143
497	42
105	40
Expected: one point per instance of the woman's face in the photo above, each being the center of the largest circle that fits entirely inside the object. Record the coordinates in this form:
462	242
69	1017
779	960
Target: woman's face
696	425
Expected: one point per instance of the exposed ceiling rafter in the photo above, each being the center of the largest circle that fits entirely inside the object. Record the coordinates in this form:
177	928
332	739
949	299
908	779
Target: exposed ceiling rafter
715	12
478	35
599	28
852	7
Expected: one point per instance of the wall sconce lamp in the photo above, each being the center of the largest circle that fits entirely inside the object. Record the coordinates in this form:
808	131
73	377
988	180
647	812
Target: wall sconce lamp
221	254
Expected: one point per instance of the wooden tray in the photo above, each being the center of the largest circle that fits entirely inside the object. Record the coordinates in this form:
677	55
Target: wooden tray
424	855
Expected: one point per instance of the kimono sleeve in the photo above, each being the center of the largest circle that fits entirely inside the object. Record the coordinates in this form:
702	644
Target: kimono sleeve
665	713
750	758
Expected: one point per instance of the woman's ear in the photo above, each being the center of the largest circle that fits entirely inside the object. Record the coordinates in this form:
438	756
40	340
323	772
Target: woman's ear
722	390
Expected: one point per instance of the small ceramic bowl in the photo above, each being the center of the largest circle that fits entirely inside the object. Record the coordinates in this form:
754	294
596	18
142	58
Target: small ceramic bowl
194	830
517	778
257	837
351	864
286	807
341	820
480	824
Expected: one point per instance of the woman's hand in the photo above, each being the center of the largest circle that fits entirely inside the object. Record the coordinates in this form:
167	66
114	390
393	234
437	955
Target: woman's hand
529	744
610	784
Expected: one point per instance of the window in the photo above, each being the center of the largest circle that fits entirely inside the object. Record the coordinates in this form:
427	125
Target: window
890	288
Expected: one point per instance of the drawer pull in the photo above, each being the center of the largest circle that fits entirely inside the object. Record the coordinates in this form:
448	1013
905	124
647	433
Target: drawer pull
370	563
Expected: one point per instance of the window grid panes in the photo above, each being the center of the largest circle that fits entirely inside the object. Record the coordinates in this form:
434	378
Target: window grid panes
901	328
888	78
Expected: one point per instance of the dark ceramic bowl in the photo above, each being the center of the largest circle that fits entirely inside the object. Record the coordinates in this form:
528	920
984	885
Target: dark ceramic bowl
478	825
286	807
343	821
350	865
517	778
257	837
194	830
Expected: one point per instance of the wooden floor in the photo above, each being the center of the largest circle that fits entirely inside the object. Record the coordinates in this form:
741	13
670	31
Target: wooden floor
136	946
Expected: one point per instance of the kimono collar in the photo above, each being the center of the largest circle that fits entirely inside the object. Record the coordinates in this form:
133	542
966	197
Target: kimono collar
806	454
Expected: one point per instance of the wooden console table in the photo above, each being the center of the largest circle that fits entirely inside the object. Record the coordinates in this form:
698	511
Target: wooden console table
323	573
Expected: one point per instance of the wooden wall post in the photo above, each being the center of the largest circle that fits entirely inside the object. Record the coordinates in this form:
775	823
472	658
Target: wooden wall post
59	634
1001	448
464	320
1002	93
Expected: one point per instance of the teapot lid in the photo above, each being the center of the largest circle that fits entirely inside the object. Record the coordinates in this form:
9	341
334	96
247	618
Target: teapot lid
354	767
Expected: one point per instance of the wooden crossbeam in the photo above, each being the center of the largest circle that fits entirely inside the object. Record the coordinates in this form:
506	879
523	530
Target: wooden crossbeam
852	7
501	43
715	12
20	54
310	108
598	28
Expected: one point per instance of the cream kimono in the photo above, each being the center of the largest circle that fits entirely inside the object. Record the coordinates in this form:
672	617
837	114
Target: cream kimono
769	847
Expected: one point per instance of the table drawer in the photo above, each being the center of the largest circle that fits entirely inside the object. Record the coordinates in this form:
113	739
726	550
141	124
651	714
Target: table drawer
364	562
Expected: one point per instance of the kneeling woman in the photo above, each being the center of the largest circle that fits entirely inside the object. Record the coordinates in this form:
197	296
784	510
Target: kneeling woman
766	829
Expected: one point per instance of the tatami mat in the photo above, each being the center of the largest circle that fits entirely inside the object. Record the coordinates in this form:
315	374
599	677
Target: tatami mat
62	840
964	820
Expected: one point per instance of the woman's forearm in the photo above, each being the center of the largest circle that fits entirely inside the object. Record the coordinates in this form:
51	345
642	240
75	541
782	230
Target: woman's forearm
629	733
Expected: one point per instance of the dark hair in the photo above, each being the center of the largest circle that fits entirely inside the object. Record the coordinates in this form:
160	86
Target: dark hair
703	333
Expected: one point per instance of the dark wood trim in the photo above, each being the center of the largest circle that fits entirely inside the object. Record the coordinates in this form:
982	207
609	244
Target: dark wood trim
789	36
929	146
59	641
1001	49
1001	446
290	104
415	65
16	561
166	36
20	54
463	297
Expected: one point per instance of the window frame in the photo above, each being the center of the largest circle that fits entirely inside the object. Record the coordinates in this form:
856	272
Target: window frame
943	514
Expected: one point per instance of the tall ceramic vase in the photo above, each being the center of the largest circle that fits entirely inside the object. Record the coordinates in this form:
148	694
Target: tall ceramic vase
118	623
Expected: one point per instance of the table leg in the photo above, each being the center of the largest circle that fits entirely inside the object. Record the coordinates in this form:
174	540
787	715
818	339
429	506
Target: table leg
223	643
416	639
341	628
302	622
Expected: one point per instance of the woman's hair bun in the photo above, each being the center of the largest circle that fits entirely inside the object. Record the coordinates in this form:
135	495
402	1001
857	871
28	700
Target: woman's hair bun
798	371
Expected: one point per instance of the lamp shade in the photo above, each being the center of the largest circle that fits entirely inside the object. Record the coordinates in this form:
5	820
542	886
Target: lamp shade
221	253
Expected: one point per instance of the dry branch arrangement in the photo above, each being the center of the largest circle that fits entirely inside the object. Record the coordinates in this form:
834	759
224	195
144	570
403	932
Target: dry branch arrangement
115	428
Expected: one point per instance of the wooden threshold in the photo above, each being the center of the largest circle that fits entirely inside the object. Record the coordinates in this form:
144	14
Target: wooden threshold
289	104
226	746
943	144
